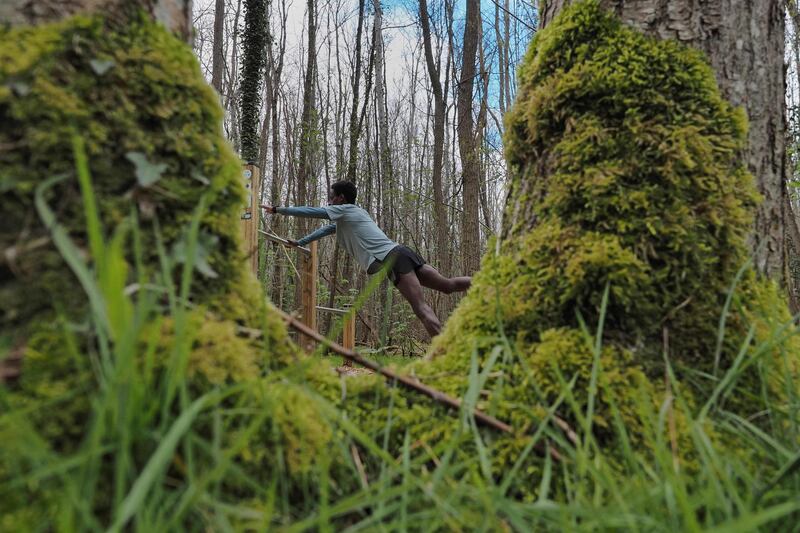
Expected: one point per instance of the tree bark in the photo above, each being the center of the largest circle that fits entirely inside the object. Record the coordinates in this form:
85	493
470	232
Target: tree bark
439	104
217	47
467	142
355	124
385	159
744	41
308	121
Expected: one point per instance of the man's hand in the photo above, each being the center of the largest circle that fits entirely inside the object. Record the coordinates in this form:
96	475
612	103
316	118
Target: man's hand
270	209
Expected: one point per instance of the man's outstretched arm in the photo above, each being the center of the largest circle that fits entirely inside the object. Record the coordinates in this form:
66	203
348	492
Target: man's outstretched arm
302	211
328	229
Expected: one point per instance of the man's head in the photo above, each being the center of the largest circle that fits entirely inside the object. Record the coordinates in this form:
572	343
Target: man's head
342	192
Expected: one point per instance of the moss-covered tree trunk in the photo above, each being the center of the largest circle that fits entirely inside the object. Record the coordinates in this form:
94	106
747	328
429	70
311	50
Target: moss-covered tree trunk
629	208
113	166
744	41
173	14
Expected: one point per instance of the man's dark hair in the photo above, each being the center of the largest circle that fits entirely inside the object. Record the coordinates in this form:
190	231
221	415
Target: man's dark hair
345	188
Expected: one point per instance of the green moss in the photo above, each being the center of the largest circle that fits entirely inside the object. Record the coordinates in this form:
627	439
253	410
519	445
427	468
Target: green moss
626	172
152	100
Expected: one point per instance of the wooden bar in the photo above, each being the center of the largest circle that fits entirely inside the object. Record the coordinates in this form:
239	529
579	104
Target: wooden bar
249	217
332	310
280	240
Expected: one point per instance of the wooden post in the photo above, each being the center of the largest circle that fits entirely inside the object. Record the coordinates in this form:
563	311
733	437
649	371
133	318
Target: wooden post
250	218
349	335
308	281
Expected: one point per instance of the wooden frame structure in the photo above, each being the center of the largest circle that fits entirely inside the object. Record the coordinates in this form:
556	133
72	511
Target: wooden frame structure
249	217
308	272
308	263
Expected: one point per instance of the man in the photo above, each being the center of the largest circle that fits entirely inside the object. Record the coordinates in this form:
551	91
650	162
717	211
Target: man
363	239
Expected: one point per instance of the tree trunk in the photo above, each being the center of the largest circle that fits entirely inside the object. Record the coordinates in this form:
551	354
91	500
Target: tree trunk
384	164
355	125
274	83
254	42
308	122
501	45
385	159
467	142
744	41
792	245
480	132
217	47
308	133
439	104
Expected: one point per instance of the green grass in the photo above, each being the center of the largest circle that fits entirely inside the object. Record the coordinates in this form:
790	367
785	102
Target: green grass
153	457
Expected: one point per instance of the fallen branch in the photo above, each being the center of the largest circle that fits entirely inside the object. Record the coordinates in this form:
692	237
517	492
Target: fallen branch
436	395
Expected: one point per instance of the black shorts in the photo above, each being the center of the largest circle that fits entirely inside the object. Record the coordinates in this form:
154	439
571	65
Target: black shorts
405	260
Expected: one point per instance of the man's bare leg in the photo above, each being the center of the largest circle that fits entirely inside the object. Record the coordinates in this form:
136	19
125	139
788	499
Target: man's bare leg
409	286
431	278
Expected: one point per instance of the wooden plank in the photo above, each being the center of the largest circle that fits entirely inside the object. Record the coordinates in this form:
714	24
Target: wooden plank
308	275
250	214
349	336
281	240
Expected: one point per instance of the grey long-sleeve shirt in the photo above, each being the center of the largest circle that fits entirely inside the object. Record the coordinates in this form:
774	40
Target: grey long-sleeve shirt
355	231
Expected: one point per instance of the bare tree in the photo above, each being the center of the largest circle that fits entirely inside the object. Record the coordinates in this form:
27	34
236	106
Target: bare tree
355	124
308	134
308	123
467	141
218	46
439	105
254	42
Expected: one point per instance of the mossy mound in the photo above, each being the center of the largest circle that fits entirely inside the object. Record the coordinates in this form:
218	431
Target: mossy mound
626	172
151	127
